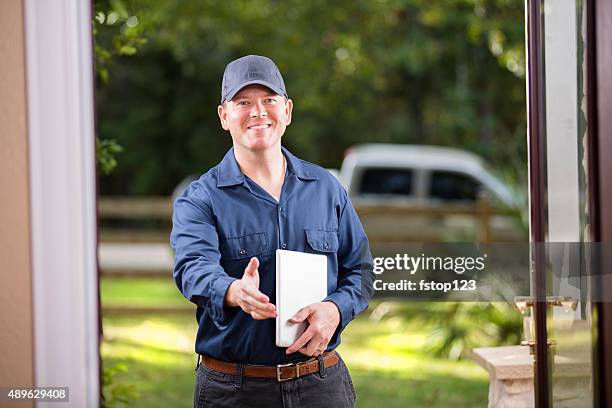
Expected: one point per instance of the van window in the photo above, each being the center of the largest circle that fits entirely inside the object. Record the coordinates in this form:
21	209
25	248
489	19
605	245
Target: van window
451	186
386	181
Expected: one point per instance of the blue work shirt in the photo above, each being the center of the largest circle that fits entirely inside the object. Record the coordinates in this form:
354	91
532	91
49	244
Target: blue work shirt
224	218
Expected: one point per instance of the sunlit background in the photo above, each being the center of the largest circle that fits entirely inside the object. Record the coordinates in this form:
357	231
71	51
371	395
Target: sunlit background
444	72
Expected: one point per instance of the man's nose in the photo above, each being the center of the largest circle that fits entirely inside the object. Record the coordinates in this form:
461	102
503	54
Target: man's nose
258	109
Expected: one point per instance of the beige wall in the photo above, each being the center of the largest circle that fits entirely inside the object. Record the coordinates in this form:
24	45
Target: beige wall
16	356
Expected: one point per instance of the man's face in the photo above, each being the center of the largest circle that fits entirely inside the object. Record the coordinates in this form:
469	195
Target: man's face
256	117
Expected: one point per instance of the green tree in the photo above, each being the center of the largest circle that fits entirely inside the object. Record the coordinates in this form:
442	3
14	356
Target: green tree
123	38
447	72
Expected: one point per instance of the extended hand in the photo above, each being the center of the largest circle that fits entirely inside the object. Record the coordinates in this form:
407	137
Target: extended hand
245	294
323	319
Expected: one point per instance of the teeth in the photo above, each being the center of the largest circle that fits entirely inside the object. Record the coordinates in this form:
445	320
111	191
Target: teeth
259	126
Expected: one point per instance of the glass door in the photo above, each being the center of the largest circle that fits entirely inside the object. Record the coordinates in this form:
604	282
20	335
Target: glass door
560	195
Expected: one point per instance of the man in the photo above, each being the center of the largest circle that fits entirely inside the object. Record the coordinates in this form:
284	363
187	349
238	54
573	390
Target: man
227	226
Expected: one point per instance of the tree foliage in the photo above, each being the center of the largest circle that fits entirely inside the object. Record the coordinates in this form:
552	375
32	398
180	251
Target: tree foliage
447	72
122	36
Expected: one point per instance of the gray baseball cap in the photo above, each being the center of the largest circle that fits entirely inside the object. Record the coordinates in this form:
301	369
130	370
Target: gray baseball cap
249	70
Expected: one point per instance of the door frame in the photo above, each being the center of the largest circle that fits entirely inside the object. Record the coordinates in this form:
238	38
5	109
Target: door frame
599	139
536	144
599	78
62	182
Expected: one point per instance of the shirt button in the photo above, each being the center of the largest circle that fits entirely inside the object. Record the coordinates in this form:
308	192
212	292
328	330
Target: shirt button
325	245
284	246
242	251
280	209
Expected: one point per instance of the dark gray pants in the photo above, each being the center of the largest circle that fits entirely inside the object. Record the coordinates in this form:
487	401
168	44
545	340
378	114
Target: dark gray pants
332	387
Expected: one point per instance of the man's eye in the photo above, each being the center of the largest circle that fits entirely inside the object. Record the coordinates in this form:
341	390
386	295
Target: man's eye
270	100
242	103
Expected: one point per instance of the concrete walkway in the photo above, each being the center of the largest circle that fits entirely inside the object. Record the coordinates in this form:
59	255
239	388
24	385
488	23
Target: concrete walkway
135	258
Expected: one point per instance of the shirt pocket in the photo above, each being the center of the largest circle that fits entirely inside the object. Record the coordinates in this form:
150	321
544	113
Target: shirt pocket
322	241
242	247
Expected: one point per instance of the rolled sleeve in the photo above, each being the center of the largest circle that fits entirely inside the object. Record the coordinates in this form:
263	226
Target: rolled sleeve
219	312
355	269
197	272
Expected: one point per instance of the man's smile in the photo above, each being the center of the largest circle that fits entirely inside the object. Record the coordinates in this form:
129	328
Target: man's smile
264	126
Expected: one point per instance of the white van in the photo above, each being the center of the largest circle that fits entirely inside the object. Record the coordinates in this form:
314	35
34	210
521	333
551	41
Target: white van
383	179
423	175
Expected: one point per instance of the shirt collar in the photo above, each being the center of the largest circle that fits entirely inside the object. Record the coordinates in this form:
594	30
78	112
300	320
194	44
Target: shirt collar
297	166
231	175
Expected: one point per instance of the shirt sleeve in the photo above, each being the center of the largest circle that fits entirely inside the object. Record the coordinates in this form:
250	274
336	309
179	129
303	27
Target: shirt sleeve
198	273
355	269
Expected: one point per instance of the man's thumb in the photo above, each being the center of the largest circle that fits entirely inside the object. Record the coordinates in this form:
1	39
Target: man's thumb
251	268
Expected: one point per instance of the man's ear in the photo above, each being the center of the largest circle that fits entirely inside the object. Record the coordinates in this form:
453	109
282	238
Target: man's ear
288	110
222	112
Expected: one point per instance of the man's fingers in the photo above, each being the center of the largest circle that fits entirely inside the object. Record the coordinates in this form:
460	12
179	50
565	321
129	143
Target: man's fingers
319	350
301	315
304	338
259	316
253	292
255	299
312	348
250	304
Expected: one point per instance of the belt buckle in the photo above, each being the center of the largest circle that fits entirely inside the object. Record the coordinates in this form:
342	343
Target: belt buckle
279	368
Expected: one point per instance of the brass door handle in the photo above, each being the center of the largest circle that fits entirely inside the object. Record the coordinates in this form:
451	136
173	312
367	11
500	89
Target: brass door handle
531	344
523	303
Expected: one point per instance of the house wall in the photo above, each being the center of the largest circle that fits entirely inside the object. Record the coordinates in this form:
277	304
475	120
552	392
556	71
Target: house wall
16	333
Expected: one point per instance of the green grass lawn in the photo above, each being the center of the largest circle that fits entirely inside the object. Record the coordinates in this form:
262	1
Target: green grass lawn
152	292
386	356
